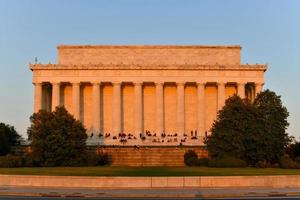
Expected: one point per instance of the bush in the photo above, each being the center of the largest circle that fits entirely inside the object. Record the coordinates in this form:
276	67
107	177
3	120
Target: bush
286	162
96	159
293	150
262	164
192	161
190	158
30	161
227	161
203	162
11	161
105	159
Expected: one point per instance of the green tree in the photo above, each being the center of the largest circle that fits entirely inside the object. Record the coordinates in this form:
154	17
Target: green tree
236	121
252	132
8	138
293	149
273	115
57	139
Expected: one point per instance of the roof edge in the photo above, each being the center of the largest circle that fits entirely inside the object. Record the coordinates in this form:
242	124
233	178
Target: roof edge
259	67
62	46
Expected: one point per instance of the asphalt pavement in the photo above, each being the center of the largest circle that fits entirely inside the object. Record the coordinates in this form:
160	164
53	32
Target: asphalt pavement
67	198
182	193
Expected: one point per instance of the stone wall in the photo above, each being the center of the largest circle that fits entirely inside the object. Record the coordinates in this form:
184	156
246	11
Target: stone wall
149	55
150	182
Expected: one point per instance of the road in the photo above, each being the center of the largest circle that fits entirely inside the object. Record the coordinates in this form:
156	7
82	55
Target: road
20	193
72	198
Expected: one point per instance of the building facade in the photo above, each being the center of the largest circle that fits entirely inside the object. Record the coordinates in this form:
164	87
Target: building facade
145	95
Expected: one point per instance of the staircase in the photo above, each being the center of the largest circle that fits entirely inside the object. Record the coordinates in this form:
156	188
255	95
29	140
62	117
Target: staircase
150	156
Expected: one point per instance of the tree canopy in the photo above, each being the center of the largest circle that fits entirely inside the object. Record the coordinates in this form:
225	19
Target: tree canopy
8	138
57	138
273	117
250	131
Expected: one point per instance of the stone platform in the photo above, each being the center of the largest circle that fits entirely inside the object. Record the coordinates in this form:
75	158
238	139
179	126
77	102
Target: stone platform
150	156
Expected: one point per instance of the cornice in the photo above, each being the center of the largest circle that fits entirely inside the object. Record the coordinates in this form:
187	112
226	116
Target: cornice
253	67
148	46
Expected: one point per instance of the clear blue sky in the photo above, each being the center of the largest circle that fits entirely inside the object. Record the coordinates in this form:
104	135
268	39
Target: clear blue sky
268	31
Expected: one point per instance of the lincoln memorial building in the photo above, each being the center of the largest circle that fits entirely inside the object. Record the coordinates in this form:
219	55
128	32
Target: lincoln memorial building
145	95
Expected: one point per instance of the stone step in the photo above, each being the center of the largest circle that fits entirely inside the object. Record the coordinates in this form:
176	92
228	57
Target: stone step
154	156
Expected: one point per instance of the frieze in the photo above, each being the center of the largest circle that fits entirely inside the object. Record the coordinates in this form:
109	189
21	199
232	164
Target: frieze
255	67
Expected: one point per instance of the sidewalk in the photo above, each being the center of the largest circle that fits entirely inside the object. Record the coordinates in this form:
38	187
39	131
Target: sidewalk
151	193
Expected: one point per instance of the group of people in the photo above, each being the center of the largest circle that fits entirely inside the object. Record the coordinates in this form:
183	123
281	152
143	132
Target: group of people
153	137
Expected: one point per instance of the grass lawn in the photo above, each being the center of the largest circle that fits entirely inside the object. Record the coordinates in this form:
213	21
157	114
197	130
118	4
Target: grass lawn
147	171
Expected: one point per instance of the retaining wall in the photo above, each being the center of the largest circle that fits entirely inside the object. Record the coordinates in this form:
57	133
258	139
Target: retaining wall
149	182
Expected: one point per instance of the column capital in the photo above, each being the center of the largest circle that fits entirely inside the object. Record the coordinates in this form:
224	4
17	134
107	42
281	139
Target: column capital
221	83
259	83
180	83
138	83
55	82
241	83
95	82
117	83
76	83
200	83
159	83
37	83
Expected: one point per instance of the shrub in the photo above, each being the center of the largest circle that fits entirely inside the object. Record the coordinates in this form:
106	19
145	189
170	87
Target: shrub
203	162
92	159
190	158
192	161
262	164
297	159
31	161
293	150
227	161
105	159
11	161
96	159
286	162
275	165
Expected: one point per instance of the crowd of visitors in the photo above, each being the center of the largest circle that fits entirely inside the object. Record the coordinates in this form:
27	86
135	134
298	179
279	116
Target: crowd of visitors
152	137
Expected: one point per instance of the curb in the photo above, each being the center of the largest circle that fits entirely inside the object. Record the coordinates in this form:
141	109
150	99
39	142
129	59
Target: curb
107	195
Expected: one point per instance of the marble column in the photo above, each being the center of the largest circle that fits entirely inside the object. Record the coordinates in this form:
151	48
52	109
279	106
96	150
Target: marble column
96	107
55	95
37	97
180	108
76	100
201	109
138	108
221	95
241	90
258	88
159	87
117	108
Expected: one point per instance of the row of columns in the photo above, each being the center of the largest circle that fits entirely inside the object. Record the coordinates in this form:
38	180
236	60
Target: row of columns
138	104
